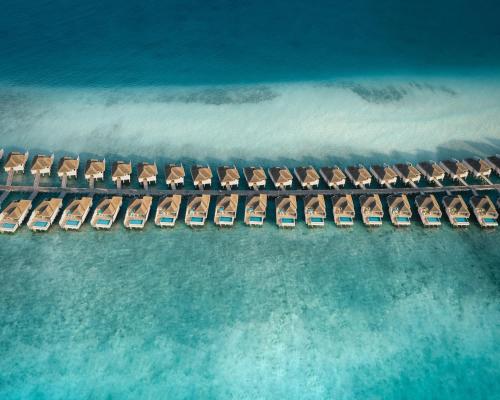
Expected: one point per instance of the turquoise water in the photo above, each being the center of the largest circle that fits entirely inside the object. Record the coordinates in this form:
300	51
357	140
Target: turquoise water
352	313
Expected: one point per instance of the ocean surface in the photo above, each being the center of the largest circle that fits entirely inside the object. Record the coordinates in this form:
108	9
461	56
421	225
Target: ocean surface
246	313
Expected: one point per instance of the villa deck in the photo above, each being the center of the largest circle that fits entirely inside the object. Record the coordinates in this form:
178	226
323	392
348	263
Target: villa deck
75	214
485	211
44	214
167	211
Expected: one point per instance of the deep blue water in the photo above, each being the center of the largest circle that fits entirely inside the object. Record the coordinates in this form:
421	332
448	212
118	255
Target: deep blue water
223	41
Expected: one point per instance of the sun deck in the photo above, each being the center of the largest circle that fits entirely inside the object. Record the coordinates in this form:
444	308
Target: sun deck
428	210
255	177
359	175
229	177
307	176
315	210
75	214
371	210
485	211
408	173
255	209
399	210
202	176
44	214
106	212
384	175
137	213
174	175
343	210
457	210
281	177
16	162
225	210
167	211
479	168
494	163
42	164
286	211
333	176
13	215
432	171
147	173
197	210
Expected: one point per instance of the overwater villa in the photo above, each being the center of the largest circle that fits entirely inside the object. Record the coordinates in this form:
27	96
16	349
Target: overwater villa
94	170
138	212
42	164
147	173
255	177
359	175
255	209
399	210
343	210
384	175
168	210
371	209
106	212
315	210
432	171
307	176
333	176
229	177
75	214
225	209
174	175
281	177
202	176
494	162
120	172
44	214
485	211
479	168
13	215
16	162
456	169
428	210
408	173
457	210
286	211
197	210
68	166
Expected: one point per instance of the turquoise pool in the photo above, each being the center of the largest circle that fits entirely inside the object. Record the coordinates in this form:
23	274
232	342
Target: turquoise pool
226	219
374	219
103	221
72	222
287	220
256	219
197	219
345	219
461	219
490	220
136	221
317	219
433	219
166	219
403	219
40	224
8	225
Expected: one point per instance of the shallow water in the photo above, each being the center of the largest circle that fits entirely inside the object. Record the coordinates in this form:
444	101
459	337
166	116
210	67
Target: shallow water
250	313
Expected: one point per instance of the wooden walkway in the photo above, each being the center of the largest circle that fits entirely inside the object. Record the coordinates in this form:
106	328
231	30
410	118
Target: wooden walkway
151	191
